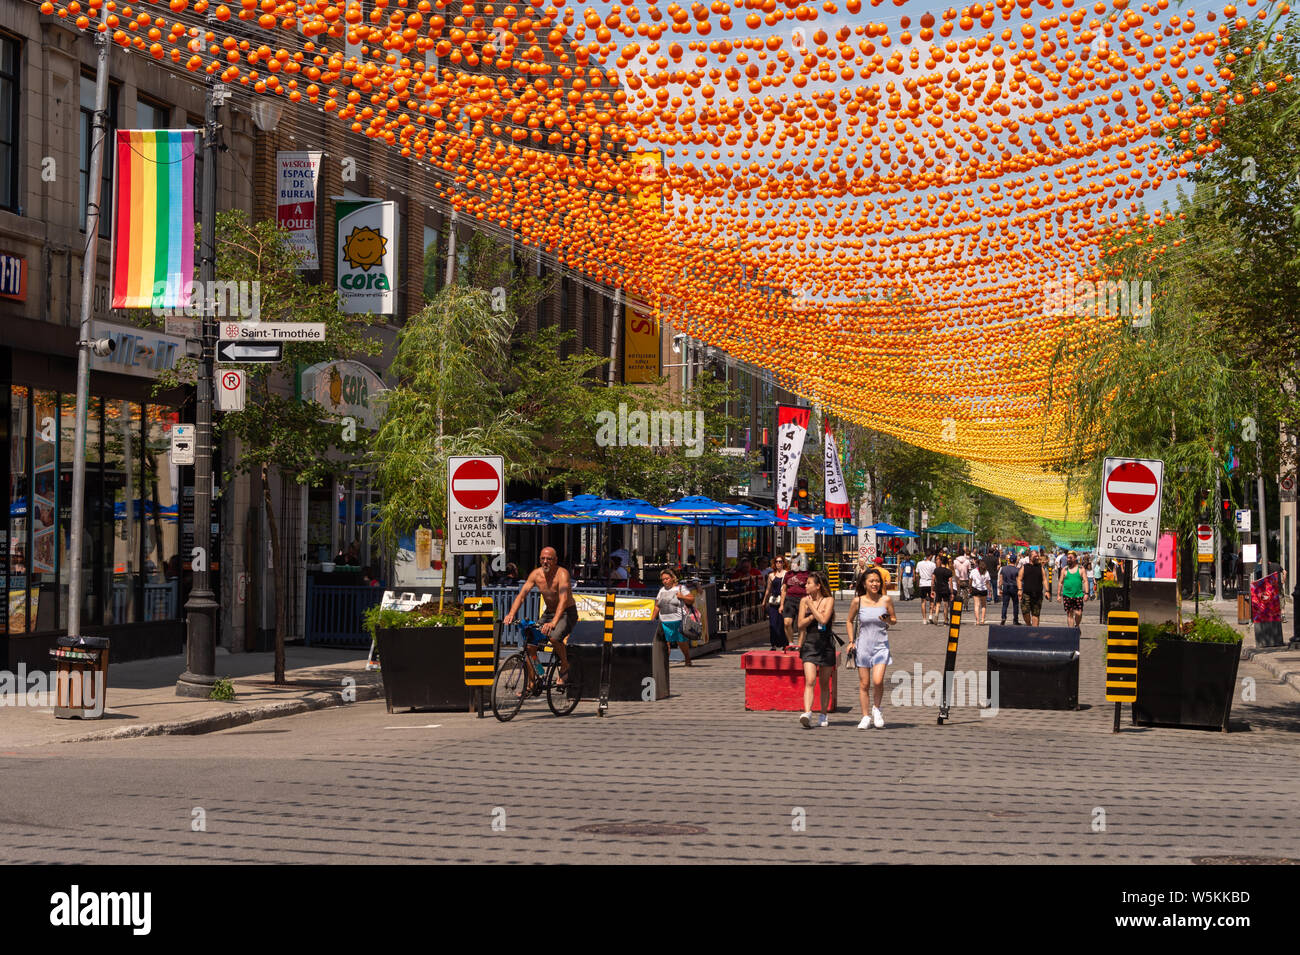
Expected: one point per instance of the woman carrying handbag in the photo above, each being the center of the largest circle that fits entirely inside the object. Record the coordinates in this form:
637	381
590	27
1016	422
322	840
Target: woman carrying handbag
872	611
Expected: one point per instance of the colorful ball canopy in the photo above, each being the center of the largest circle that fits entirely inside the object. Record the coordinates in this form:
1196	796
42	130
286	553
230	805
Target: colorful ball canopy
903	211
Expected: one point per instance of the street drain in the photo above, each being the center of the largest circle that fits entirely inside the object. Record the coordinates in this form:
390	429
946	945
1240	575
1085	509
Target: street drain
1243	860
641	829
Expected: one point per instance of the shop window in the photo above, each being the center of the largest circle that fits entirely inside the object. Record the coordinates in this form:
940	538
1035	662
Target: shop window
106	169
17	612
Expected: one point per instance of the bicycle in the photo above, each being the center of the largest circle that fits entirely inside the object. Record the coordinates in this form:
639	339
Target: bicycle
516	679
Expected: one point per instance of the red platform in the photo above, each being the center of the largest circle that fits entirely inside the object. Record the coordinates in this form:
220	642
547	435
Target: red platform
774	681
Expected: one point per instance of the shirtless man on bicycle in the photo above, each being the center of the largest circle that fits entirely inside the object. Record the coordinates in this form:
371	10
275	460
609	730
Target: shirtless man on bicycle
557	590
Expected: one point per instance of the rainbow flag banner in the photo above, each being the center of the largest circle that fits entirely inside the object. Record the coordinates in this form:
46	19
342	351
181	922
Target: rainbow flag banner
153	218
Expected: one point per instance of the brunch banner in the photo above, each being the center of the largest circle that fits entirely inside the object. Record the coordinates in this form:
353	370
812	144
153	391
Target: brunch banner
367	255
837	495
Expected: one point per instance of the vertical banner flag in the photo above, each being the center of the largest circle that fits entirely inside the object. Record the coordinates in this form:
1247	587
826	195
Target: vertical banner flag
791	429
296	178
366	231
640	348
153	218
837	495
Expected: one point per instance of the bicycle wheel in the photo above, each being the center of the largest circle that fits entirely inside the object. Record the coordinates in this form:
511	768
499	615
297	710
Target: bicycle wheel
509	687
564	699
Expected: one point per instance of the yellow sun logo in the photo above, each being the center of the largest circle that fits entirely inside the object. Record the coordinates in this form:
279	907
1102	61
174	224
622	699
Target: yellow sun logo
364	248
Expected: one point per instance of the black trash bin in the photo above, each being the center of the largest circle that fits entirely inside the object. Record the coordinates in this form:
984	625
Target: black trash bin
1037	667
81	677
639	652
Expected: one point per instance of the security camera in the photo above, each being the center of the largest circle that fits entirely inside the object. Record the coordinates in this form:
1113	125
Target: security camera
102	347
677	342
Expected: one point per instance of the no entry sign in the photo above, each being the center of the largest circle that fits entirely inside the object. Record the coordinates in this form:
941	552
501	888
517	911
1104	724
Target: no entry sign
476	505
1204	544
1130	508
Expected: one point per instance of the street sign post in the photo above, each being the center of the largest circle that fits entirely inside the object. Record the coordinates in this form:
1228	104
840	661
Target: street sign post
1204	544
263	333
240	353
476	505
232	386
1243	519
183	444
1129	526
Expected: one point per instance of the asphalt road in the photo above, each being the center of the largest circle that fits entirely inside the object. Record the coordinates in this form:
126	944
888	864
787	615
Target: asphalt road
360	785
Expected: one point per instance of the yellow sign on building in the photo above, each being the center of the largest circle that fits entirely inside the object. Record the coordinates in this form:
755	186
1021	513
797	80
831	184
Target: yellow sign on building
640	348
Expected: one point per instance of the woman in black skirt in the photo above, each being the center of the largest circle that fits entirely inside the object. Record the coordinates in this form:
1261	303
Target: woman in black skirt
817	646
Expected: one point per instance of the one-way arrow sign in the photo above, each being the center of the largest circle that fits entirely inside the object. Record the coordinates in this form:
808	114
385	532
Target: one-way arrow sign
243	353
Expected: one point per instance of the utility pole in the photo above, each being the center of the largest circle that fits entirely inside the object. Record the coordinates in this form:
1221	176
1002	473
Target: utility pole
1218	539
201	608
89	269
1263	517
613	334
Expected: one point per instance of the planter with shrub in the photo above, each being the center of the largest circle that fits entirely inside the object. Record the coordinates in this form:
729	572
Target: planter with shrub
421	656
1187	677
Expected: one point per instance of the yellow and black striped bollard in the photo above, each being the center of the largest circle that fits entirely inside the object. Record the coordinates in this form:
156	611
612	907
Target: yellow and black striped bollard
833	575
480	647
1121	659
607	655
950	661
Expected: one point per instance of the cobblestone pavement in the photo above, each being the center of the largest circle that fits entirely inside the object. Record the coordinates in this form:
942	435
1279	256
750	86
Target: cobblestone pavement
359	784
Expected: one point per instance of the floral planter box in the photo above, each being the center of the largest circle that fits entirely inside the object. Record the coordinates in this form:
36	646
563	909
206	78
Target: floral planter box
1186	684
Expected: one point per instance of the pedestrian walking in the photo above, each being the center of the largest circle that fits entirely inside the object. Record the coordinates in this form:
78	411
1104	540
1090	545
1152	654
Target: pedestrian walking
670	605
1008	576
817	642
772	601
1073	589
1030	585
906	577
925	586
871	613
991	561
961	567
942	589
979	592
795	587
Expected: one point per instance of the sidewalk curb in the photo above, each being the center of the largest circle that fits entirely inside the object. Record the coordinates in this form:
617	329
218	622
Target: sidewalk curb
211	724
1263	658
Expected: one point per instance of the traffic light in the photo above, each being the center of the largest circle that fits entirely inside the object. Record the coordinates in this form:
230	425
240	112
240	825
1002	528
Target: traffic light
1227	507
801	495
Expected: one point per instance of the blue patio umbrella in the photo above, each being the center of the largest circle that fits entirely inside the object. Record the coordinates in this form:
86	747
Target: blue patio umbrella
885	529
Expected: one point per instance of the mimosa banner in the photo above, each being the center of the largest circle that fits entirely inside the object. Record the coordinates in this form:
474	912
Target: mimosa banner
791	429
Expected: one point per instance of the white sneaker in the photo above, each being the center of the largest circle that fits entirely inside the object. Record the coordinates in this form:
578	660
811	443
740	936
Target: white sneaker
824	721
877	718
805	720
866	722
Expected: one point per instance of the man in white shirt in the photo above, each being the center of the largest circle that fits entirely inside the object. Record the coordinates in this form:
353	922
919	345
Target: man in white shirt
924	583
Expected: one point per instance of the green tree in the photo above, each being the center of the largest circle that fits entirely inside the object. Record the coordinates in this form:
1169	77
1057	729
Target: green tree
451	357
299	439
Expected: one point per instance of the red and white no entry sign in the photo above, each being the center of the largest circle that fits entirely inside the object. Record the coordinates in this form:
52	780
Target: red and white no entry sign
1204	532
1132	488
475	484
